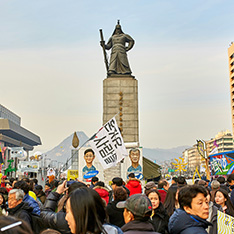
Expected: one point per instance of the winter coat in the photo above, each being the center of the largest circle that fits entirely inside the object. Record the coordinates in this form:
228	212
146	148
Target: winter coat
134	186
160	219
184	223
138	227
22	211
115	214
103	192
213	218
54	220
32	203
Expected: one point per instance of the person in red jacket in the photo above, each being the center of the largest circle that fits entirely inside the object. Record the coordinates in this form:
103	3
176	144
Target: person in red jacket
102	191
133	184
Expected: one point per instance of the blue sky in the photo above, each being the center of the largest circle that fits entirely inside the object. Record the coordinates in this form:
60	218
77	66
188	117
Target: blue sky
52	69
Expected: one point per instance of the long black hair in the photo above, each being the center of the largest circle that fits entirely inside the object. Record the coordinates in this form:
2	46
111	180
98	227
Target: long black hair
88	210
170	200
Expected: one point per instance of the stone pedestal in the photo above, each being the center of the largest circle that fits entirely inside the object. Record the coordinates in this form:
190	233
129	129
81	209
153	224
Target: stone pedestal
120	95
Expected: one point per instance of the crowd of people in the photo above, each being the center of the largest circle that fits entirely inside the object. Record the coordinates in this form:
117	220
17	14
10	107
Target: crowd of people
125	207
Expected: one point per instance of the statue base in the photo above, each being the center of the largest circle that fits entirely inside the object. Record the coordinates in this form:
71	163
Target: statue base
120	95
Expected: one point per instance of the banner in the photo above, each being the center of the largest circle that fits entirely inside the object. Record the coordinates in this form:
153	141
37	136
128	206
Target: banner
222	163
28	166
108	145
225	223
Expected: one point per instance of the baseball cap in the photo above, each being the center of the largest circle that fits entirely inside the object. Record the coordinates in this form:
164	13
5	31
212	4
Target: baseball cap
138	204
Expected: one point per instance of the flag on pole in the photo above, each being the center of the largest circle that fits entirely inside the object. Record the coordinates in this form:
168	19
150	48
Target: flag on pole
108	144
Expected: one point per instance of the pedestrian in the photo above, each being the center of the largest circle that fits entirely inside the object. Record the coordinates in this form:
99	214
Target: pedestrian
31	202
193	211
215	185
47	189
163	186
173	181
117	181
213	209
116	214
222	198
102	191
17	207
171	202
86	213
57	201
222	182
94	180
159	217
150	185
137	212
181	182
133	184
40	194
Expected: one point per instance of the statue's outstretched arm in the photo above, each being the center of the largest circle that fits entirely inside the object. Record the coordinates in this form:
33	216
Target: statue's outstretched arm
130	41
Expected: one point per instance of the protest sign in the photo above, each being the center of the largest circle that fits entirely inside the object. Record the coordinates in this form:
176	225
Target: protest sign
72	174
225	223
108	145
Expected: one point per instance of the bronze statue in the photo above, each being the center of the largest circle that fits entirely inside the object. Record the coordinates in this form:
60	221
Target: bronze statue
118	60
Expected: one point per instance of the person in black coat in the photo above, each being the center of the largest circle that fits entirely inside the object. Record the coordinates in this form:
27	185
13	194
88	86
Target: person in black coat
159	217
116	214
17	207
57	220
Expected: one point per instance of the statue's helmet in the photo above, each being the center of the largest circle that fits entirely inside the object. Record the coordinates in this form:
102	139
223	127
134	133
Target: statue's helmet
118	26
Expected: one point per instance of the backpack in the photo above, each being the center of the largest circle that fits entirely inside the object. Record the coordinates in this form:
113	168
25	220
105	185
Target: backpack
37	223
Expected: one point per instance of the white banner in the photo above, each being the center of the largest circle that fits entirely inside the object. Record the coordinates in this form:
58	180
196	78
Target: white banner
108	145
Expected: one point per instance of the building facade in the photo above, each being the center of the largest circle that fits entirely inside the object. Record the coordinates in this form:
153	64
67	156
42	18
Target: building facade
193	158
224	140
12	134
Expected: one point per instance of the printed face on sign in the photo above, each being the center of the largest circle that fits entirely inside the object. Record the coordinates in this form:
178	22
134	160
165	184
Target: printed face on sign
134	155
89	157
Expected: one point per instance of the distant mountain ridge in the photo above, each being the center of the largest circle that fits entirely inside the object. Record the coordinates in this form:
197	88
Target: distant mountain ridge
62	151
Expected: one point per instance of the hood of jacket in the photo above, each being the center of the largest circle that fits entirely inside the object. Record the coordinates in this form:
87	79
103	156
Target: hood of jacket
180	220
133	182
103	192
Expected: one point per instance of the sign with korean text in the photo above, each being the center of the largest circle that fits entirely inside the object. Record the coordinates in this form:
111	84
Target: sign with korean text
225	223
108	145
222	163
72	174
